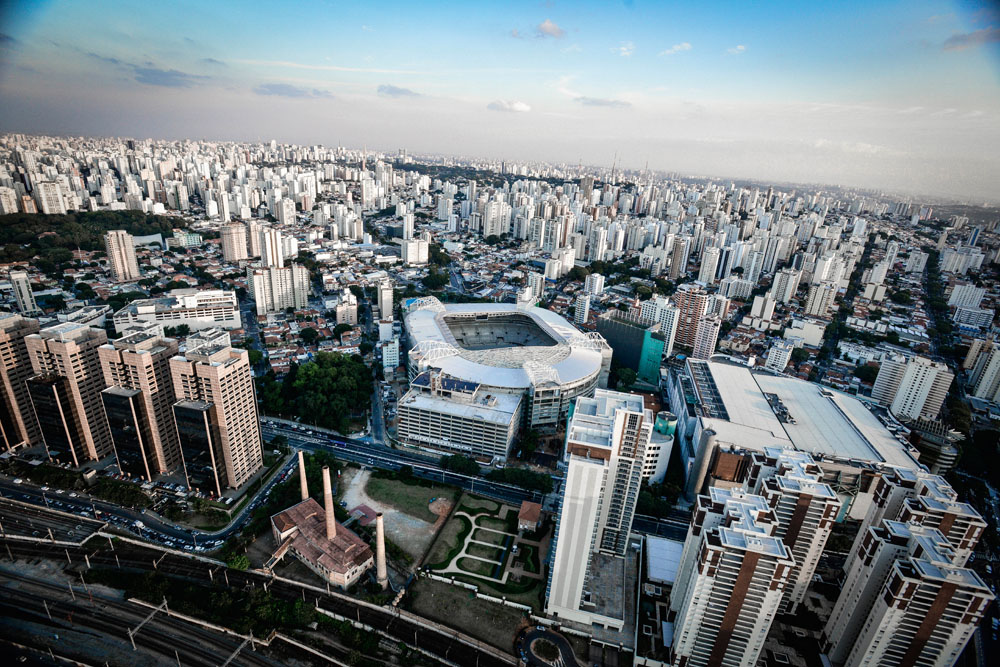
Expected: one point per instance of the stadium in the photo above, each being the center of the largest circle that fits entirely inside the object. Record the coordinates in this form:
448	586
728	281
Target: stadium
508	349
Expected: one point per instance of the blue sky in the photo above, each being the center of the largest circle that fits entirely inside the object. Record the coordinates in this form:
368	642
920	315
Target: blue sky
896	95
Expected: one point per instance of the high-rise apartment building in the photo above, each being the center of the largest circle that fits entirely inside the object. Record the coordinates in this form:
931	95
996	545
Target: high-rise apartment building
23	295
906	600
821	298
692	303
984	377
272	248
659	309
581	309
121	256
709	265
779	355
234	242
785	285
138	403
730	581
253	238
679	259
806	509
966	295
66	390
18	425
216	416
594	284
385	305
606	441
706	336
277	288
49	197
912	387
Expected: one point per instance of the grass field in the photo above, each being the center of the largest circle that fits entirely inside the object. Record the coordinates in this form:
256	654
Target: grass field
460	609
410	499
449	542
528	558
473	566
474	505
488	536
483	551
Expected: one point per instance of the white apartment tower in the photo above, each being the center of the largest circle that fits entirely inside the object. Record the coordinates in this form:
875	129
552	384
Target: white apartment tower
709	265
234	243
121	256
730	582
606	440
23	295
272	248
581	309
659	309
821	298
594	283
385	306
706	336
912	387
278	288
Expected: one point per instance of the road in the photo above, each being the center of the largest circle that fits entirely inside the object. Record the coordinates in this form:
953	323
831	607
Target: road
524	647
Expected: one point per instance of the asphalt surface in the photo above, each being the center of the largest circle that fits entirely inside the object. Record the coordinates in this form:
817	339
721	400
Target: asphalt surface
525	652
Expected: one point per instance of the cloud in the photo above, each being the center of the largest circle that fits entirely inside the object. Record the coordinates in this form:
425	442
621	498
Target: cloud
6	39
573	48
548	28
736	50
601	102
970	40
288	90
325	68
512	106
676	48
212	61
516	34
625	50
910	110
151	75
386	90
168	78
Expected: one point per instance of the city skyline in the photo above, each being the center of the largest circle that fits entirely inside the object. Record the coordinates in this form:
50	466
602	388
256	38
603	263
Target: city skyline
900	97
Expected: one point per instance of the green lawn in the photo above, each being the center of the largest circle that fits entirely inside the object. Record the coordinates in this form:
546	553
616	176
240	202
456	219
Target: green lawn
497	524
488	536
483	551
475	505
473	566
410	499
449	542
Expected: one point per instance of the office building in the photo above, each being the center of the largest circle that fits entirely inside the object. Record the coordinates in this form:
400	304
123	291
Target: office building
706	337
276	289
905	600
197	309
581	309
606	441
138	403
637	343
459	417
23	295
730	582
66	391
216	416
121	256
18	425
912	387
234	243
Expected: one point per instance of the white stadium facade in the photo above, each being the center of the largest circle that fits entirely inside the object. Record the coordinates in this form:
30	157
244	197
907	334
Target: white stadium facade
506	349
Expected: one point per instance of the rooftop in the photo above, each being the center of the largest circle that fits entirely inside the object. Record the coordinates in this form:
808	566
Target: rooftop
341	554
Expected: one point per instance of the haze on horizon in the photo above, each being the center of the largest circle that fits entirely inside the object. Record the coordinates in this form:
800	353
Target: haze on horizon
894	95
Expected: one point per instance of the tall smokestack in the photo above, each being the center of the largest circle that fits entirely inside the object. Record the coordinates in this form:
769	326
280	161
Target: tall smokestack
331	524
380	571
303	484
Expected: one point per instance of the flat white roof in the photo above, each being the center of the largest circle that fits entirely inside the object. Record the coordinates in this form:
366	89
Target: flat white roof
663	558
501	413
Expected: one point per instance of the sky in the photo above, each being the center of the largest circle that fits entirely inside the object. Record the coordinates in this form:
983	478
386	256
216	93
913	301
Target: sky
902	96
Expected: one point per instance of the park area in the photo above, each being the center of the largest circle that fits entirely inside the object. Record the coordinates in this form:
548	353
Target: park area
481	545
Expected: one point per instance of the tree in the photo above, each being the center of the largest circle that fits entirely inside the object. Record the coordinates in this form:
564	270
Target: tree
256	356
308	335
799	355
626	378
866	373
238	562
435	279
492	239
460	464
341	329
529	443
